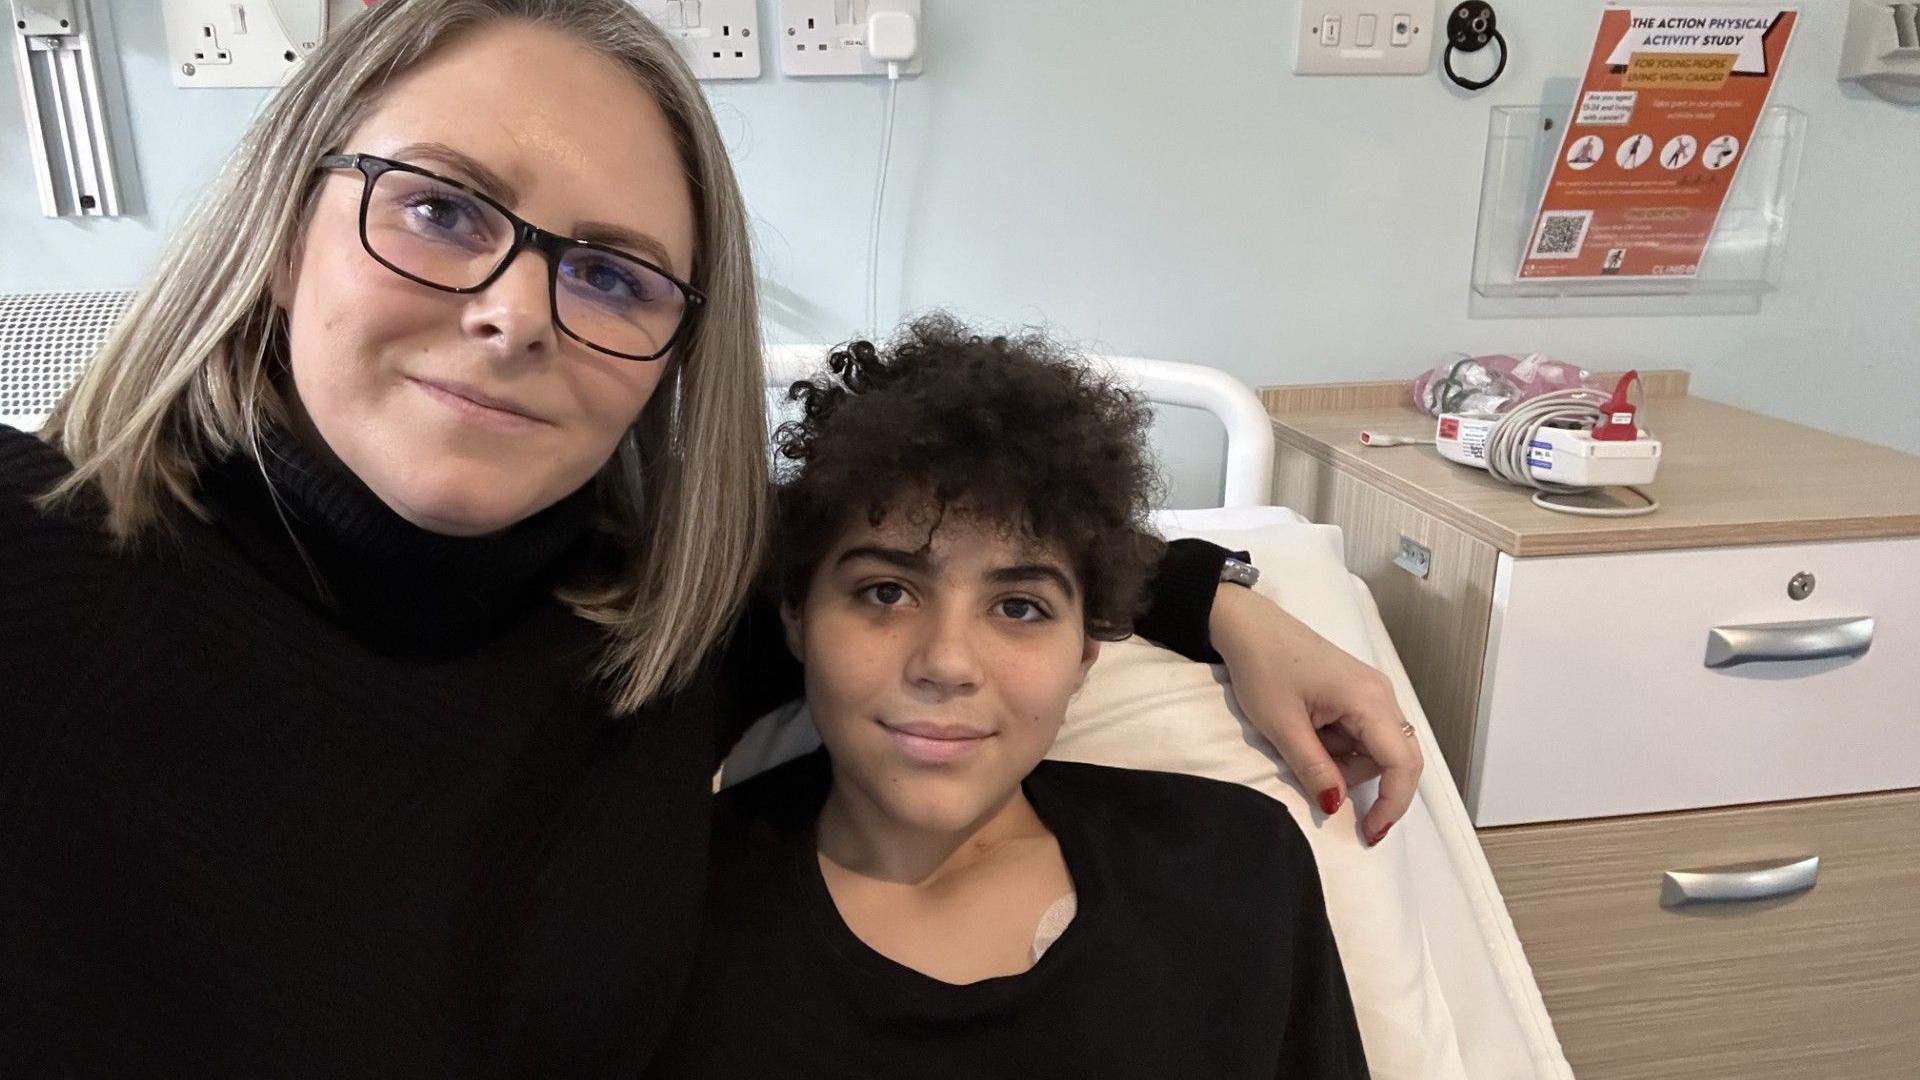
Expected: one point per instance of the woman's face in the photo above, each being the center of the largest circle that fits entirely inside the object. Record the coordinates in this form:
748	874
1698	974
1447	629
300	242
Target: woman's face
468	413
938	674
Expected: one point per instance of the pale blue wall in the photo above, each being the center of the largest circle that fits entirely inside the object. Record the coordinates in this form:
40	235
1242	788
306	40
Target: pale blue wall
1150	178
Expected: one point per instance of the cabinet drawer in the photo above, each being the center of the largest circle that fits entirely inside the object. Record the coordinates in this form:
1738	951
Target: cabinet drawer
1598	699
1825	983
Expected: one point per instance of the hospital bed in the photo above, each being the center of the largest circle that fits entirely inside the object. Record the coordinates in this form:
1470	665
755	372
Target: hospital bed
1440	983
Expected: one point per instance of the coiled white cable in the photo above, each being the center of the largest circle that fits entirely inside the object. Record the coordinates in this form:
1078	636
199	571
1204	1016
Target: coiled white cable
1578	408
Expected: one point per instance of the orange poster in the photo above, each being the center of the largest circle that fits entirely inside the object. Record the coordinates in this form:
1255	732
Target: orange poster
1665	113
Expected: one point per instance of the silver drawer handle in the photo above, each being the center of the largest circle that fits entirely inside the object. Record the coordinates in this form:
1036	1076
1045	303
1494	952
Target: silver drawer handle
1751	881
1814	639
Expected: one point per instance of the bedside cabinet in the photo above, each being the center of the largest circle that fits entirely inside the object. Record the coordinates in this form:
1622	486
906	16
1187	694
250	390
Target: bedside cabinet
1691	740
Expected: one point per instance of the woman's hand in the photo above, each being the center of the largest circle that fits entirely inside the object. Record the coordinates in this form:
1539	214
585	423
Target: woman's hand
1333	719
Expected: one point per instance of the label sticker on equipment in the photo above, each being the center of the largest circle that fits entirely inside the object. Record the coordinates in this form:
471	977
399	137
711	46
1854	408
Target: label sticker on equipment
1449	428
1473	440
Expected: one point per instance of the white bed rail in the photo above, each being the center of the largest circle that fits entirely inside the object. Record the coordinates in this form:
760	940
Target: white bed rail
1249	471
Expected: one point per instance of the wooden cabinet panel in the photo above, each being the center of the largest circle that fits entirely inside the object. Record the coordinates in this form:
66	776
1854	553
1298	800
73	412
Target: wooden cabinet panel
1822	984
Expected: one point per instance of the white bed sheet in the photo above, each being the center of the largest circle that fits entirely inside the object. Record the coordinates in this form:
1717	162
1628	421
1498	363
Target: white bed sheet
1501	1022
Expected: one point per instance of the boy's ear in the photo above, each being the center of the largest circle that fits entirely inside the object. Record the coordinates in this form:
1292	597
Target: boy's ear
796	631
1089	652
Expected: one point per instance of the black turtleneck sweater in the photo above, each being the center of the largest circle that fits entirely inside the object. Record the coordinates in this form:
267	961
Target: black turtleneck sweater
352	805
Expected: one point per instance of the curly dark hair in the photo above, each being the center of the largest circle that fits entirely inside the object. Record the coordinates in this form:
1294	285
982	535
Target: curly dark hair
1011	429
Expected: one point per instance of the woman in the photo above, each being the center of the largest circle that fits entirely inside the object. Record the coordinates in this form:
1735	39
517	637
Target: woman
360	613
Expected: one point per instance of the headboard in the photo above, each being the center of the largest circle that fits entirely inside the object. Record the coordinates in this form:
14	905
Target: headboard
46	338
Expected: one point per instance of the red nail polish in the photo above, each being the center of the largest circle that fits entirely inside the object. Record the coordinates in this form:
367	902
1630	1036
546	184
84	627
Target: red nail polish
1381	835
1330	800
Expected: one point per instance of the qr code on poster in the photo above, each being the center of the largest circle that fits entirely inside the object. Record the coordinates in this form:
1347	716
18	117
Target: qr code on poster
1561	234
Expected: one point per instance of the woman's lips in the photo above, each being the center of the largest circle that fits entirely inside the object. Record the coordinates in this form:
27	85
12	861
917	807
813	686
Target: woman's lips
471	403
935	744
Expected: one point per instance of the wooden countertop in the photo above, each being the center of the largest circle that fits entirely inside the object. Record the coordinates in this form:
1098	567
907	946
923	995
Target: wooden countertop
1727	476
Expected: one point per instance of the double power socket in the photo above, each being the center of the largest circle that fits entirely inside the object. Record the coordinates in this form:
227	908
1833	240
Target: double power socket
722	39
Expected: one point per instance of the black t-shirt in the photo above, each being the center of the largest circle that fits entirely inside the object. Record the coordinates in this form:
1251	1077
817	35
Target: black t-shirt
1200	949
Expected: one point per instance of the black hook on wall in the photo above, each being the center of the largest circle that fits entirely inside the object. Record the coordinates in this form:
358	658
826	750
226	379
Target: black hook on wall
1472	27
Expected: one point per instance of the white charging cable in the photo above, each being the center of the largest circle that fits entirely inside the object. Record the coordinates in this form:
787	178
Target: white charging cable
894	38
1512	434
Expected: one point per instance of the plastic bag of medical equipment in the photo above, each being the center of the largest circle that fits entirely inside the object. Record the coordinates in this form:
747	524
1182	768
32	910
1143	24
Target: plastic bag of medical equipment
1493	384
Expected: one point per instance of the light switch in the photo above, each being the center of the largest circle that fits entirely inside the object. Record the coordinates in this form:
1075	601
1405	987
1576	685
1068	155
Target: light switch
690	12
1363	37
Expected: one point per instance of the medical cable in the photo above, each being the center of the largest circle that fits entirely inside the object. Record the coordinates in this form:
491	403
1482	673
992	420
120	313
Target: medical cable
1375	438
1510	440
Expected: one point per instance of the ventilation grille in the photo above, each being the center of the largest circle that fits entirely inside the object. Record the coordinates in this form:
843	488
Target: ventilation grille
45	339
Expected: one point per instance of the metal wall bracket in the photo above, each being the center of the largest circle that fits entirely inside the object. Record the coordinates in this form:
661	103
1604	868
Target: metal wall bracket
82	164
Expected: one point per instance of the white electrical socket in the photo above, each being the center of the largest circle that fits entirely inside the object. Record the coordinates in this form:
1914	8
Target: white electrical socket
829	37
719	39
1365	37
1882	49
245	42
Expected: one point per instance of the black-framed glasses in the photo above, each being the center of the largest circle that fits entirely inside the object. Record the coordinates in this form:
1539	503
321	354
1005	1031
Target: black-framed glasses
442	233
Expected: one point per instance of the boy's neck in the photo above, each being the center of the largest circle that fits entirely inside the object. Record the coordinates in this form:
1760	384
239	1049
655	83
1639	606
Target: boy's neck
861	837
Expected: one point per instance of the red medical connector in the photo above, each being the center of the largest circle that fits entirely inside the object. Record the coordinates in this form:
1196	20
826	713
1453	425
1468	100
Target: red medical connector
1619	425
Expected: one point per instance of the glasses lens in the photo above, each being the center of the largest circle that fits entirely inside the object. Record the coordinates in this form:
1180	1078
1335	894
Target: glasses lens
435	231
619	304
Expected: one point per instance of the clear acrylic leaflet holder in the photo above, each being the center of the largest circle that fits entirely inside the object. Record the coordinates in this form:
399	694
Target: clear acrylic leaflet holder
1740	265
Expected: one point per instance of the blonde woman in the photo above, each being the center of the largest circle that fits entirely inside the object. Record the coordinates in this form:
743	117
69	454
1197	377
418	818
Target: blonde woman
373	612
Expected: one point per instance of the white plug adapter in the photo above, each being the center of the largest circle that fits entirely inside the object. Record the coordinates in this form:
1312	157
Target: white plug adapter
893	37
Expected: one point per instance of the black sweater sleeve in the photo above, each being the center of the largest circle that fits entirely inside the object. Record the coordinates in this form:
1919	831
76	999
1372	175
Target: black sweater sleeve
757	672
1180	599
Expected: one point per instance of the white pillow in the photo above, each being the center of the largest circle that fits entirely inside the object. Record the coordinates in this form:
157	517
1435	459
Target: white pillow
1146	708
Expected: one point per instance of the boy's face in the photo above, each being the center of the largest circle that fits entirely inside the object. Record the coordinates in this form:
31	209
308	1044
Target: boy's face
938	676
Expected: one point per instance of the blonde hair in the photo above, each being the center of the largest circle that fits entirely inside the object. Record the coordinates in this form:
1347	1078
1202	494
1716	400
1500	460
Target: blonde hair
187	375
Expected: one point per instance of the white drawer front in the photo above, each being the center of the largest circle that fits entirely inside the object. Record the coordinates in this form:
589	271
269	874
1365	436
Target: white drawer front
1598	699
